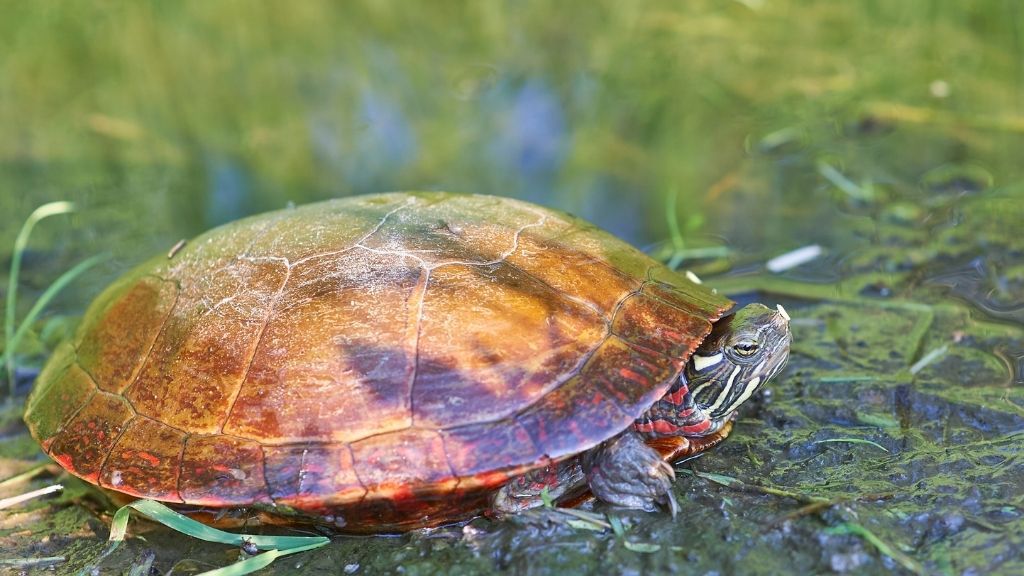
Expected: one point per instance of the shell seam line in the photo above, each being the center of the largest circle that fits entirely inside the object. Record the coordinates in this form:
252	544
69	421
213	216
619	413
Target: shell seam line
181	466
501	257
72	416
149	351
416	346
266	482
615	310
255	348
106	457
589	356
358	243
590	305
355	472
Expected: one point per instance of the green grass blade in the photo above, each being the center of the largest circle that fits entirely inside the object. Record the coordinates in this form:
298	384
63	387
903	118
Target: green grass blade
722	479
879	544
641	547
29	563
257	562
545	498
164	515
44	211
277	545
617	527
852	441
51	291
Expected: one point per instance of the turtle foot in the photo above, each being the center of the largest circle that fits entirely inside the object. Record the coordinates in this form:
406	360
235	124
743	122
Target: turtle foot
626	472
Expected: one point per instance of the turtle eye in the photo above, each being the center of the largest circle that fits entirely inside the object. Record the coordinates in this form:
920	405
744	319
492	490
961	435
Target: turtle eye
745	348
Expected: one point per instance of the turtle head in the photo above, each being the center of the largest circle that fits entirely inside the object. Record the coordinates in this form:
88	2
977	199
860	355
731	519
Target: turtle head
743	351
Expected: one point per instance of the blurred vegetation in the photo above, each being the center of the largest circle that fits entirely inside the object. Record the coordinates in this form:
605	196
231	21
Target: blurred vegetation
599	108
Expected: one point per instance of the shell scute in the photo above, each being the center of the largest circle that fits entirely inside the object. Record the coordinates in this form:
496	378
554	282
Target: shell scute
493	342
659	326
222	471
629	376
389	463
435	230
62	389
481	448
84	443
335	360
673	288
145	461
120	329
312	476
548	253
573	418
204	348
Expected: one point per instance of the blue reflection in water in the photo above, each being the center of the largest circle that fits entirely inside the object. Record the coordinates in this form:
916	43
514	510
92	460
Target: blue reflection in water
385	132
371	151
530	143
383	142
617	208
229	191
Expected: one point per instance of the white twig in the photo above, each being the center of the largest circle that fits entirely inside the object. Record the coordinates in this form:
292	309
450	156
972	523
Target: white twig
15	500
794	258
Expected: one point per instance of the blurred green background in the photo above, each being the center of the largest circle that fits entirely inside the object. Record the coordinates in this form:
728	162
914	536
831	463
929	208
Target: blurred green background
161	119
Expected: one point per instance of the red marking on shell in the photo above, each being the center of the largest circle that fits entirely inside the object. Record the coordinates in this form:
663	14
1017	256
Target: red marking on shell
145	461
65	461
153	460
644	381
573	418
89	437
631	375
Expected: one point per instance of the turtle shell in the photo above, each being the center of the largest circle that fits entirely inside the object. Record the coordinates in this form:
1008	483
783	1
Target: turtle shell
388	360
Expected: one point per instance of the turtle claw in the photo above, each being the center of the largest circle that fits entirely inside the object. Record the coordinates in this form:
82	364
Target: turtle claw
673	506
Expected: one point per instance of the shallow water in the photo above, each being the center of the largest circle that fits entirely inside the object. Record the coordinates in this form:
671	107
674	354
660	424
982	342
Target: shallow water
889	136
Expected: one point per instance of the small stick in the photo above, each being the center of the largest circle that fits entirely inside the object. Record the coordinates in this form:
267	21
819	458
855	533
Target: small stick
24	563
14	500
816	507
176	248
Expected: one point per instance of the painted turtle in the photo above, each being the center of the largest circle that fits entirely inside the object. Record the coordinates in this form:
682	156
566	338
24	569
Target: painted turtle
400	360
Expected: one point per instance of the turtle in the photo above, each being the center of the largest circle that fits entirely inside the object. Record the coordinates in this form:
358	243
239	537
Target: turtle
387	362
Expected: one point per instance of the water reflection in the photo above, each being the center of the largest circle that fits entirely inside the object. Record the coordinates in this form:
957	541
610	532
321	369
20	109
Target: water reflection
980	283
229	195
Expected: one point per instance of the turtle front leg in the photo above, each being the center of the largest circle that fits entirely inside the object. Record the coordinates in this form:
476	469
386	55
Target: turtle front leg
626	472
527	491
